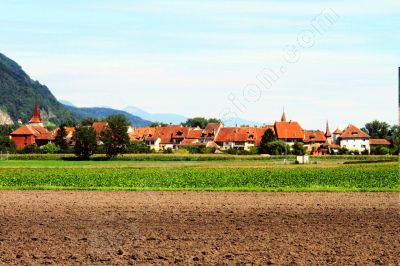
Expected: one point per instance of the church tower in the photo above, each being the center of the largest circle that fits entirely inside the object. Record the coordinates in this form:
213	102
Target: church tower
328	134
36	119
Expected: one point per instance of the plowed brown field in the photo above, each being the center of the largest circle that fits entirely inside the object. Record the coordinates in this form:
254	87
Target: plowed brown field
124	227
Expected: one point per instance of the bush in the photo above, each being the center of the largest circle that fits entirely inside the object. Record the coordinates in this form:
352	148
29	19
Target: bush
380	150
298	149
32	148
168	151
85	142
138	147
50	148
7	145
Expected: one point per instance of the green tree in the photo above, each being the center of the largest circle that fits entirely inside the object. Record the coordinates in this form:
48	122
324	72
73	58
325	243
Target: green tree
156	124
50	148
85	142
138	147
278	148
377	129
115	136
7	145
298	148
60	138
380	150
200	122
394	138
5	130
268	137
88	121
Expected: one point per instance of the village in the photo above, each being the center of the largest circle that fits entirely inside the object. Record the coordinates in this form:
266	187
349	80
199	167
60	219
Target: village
214	135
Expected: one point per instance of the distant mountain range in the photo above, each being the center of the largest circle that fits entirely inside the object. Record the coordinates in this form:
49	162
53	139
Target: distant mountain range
178	119
103	112
19	93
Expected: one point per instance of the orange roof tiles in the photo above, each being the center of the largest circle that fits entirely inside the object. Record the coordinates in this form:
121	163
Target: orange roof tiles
379	142
36	118
288	130
353	132
337	132
243	134
316	136
99	127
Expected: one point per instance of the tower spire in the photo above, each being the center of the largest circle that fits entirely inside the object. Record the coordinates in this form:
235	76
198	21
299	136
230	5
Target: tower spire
36	118
327	132
283	118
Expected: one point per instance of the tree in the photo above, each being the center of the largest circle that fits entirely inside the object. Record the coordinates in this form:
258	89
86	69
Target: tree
200	122
138	147
60	138
380	150
277	148
5	130
298	148
115	136
156	124
88	121
85	142
7	145
50	148
268	137
394	138
377	129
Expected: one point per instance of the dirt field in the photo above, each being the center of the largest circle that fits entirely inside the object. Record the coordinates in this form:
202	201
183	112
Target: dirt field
120	227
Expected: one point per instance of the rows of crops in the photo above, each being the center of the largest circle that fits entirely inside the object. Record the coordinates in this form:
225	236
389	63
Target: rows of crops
371	177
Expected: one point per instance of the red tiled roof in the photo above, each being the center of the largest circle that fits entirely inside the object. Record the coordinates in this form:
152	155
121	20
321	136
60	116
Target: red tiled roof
317	136
337	132
164	133
288	130
142	133
243	134
46	136
194	133
99	126
353	132
379	142
36	118
334	146
30	130
188	141
180	132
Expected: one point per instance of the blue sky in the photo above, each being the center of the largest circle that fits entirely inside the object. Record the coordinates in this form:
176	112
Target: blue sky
209	58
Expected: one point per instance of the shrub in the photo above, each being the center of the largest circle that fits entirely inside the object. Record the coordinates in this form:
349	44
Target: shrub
50	148
168	151
138	147
298	149
85	142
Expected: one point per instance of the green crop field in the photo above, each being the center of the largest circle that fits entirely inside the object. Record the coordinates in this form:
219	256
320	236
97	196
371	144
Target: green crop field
214	175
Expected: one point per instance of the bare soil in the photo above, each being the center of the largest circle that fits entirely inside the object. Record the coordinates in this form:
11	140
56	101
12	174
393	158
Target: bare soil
194	228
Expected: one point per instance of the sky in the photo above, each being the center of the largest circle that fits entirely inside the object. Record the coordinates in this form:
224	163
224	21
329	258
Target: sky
317	60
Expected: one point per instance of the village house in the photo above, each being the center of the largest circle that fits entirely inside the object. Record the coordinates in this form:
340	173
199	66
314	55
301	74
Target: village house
289	132
353	139
241	138
32	133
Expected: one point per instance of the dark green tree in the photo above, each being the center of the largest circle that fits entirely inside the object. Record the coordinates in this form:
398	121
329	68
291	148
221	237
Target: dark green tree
88	121
85	142
7	145
60	140
278	148
268	137
5	130
377	129
138	147
115	136
156	124
298	148
200	122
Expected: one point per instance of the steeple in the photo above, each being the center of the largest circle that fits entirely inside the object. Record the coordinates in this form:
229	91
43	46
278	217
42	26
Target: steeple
36	118
327	132
283	119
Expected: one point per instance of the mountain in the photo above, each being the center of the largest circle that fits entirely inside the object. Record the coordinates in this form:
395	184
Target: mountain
18	94
103	112
161	117
178	119
65	102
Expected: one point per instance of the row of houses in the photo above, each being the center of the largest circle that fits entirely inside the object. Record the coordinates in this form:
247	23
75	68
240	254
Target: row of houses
214	135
